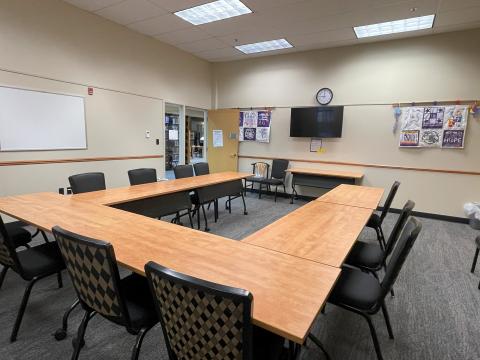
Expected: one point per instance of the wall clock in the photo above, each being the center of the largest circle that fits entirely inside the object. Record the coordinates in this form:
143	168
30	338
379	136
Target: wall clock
324	96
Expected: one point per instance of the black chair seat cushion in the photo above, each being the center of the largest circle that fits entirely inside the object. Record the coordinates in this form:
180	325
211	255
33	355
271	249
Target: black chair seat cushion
138	301
374	221
266	345
272	181
254	178
18	235
356	289
365	255
41	260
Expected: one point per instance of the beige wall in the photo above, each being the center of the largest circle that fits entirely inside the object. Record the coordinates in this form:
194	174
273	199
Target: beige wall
441	67
132	75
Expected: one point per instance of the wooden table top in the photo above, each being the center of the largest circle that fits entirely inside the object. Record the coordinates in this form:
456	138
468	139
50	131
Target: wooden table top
130	193
288	291
323	172
354	195
319	231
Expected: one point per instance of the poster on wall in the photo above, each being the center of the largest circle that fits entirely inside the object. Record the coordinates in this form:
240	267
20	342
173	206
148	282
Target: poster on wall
255	125
434	127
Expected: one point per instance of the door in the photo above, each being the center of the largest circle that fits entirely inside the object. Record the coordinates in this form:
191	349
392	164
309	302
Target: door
224	155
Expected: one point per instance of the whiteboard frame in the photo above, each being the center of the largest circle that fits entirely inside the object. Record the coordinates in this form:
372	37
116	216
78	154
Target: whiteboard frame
53	93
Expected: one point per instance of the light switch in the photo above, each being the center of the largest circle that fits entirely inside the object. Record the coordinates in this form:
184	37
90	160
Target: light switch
147	134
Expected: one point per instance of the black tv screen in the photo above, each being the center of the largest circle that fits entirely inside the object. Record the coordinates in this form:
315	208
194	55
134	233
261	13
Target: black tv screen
317	122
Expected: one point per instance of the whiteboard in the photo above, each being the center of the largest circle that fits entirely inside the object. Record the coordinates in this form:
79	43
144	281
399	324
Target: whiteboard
34	120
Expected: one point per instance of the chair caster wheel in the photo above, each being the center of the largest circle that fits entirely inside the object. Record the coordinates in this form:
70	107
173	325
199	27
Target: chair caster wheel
60	334
245	213
74	343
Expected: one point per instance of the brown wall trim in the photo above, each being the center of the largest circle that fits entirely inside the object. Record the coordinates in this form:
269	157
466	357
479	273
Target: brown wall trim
445	171
91	159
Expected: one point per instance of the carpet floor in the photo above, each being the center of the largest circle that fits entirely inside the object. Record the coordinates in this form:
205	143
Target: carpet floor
435	313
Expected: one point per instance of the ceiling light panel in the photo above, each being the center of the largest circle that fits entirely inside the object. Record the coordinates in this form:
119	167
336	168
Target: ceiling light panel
213	11
264	46
394	27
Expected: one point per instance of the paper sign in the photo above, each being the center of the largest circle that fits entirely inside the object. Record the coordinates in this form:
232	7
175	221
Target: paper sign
172	134
217	138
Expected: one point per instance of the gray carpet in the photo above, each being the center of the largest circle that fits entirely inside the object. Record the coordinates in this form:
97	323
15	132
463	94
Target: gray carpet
434	313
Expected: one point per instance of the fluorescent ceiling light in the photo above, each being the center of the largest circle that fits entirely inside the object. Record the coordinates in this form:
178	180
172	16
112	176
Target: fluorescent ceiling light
393	27
213	11
264	46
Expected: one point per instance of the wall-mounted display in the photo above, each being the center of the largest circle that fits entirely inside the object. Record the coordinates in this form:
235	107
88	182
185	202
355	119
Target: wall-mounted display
434	126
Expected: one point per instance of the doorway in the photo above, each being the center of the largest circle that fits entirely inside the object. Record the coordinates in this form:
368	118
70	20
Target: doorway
174	134
195	135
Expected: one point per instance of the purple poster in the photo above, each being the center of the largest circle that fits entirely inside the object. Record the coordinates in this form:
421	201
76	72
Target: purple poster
433	118
249	134
453	138
263	119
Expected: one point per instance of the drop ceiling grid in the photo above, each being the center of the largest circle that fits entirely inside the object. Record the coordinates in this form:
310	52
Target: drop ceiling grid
307	24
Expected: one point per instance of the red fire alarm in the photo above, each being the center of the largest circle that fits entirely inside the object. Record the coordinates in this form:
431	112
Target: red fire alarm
90	91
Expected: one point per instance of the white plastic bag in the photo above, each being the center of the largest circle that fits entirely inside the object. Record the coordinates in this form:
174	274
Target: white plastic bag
472	210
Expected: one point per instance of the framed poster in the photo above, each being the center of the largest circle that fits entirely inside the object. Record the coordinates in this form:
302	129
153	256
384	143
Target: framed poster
255	125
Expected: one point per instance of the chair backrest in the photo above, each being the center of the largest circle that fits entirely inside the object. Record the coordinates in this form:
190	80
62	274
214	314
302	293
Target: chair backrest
278	168
389	200
87	182
8	255
201	168
93	269
402	249
183	171
397	228
260	169
142	176
200	319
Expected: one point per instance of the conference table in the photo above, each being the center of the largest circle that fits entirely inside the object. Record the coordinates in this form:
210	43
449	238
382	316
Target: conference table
289	284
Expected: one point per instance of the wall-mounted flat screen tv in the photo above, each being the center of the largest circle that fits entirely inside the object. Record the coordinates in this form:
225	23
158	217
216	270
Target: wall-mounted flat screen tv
317	122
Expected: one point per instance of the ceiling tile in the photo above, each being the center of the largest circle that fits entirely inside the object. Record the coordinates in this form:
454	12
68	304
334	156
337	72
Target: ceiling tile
459	16
203	45
160	24
93	5
448	5
130	11
252	36
227	52
322	37
183	36
177	5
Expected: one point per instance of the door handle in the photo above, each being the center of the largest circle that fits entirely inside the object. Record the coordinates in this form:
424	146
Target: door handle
233	155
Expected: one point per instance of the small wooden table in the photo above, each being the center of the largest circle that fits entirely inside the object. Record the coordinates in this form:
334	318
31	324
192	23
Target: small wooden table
318	231
288	291
319	178
354	195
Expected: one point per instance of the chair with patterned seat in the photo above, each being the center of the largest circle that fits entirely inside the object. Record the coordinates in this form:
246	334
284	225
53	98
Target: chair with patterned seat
204	320
93	269
32	264
260	171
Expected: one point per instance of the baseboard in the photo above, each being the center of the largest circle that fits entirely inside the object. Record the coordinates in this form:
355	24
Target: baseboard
448	218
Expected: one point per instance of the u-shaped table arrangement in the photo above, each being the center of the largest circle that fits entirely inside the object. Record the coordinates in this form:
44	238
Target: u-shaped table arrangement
290	266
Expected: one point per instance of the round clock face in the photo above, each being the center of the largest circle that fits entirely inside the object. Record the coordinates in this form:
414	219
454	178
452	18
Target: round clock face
324	96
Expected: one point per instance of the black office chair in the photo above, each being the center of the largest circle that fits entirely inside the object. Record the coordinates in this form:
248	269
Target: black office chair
260	171
363	294
183	171
142	176
32	264
370	257
93	269
87	182
277	177
204	320
201	168
376	221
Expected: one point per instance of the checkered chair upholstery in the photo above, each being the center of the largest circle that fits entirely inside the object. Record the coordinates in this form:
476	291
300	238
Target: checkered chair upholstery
7	253
201	320
92	267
